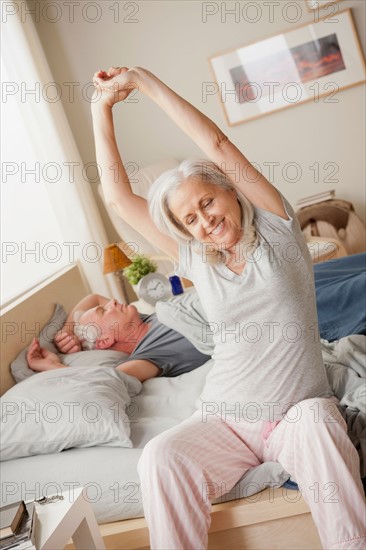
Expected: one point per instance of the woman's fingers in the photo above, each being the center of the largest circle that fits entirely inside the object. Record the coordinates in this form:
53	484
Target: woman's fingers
112	71
113	86
116	70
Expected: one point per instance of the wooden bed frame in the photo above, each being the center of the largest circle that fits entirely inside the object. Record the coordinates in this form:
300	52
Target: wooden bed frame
271	519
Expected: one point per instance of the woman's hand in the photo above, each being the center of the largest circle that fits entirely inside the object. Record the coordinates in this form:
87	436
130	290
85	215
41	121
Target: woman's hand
40	359
115	85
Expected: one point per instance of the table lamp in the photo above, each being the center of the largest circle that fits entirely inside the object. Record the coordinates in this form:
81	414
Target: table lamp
114	262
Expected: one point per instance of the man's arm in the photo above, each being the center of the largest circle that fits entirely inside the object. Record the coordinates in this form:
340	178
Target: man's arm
65	340
139	368
40	359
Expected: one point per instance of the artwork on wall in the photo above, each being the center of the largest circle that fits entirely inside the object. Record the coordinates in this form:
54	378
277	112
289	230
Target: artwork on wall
304	64
318	4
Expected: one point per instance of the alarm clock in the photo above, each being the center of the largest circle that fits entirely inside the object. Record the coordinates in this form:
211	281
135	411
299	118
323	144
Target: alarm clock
154	287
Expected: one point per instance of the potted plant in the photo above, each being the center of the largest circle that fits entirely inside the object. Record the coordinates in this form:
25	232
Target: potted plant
141	266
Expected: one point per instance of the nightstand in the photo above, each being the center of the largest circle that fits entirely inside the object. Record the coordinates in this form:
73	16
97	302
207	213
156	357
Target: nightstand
59	521
147	309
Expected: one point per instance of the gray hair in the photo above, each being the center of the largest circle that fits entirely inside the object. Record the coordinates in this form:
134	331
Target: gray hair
207	171
87	334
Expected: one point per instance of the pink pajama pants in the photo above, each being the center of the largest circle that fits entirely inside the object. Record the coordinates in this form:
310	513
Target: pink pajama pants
183	469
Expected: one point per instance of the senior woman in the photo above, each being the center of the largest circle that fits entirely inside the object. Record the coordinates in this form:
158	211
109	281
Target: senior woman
267	397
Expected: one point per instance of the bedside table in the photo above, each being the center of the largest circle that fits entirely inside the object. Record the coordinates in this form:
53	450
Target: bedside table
59	521
147	309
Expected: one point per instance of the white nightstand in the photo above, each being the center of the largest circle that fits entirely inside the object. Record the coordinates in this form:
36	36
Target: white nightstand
59	521
144	307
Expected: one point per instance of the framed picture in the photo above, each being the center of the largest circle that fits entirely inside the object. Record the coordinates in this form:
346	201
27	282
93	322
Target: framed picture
304	64
318	4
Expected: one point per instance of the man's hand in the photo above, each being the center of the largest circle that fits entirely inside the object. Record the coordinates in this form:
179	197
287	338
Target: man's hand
40	359
66	342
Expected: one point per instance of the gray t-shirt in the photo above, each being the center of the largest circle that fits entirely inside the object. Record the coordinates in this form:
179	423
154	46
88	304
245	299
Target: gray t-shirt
167	349
264	324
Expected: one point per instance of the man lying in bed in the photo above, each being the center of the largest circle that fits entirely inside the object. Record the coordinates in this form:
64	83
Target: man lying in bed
99	323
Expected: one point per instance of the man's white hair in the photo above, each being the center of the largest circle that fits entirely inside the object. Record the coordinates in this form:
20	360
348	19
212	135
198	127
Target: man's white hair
87	334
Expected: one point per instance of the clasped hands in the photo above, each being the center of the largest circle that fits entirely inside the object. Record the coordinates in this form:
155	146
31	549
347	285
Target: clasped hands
115	85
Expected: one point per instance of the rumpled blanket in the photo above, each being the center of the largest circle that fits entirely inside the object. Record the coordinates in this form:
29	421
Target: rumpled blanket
345	361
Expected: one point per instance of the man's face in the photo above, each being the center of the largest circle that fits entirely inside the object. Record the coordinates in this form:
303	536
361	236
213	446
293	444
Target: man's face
115	323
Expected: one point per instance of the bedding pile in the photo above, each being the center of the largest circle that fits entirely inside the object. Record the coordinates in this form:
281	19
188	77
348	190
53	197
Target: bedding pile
345	362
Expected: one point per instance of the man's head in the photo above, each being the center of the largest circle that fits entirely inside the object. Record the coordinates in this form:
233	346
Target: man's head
112	326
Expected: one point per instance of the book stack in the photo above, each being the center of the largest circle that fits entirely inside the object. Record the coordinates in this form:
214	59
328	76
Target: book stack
314	199
16	526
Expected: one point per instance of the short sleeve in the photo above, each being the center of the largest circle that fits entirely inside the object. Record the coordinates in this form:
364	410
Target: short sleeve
268	221
183	267
168	349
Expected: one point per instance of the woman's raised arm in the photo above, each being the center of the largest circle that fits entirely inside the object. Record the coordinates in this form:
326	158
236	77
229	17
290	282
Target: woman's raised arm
211	140
116	185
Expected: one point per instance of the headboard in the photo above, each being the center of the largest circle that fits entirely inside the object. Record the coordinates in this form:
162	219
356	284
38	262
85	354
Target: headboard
25	317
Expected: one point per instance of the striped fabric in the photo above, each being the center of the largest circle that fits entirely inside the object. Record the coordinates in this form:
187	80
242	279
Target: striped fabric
184	468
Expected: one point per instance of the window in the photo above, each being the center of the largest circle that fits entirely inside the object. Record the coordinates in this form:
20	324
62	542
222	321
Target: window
30	233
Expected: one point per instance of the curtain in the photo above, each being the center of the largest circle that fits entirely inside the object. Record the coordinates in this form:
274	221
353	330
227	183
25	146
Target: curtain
71	197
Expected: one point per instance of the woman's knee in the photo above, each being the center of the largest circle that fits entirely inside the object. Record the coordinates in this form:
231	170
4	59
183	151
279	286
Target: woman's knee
160	450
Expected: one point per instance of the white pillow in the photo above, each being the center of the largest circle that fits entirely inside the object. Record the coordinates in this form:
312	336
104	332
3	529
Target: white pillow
65	408
140	183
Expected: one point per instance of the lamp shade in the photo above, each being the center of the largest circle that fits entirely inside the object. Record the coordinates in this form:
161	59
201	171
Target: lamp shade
114	259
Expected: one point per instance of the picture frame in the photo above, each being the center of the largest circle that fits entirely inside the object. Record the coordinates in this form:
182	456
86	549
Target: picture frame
303	64
319	4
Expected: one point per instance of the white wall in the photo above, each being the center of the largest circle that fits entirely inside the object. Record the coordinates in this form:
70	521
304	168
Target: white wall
171	39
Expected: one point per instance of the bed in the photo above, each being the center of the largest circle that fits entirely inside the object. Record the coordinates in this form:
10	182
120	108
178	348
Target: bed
250	517
244	523
276	515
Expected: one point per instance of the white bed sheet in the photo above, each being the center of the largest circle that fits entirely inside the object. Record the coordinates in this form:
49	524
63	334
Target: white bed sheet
109	474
